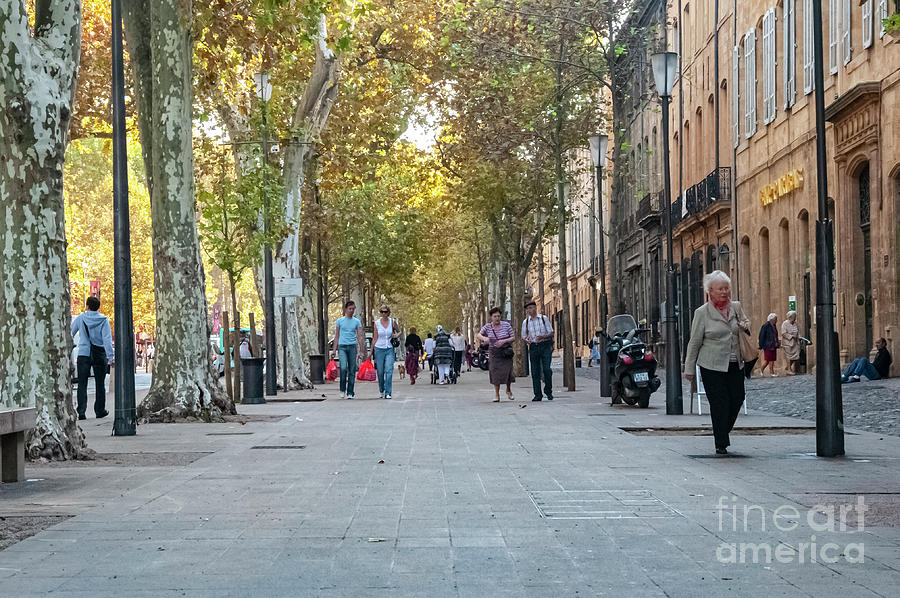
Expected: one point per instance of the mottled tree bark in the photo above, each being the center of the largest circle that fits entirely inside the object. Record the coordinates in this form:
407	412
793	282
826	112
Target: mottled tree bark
159	44
37	84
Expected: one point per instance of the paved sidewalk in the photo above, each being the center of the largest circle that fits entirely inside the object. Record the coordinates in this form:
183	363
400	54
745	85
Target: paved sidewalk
441	492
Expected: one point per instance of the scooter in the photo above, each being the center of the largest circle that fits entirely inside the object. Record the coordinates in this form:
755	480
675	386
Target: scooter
632	365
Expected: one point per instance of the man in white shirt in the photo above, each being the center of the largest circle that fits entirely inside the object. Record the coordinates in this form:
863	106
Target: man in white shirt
538	334
429	351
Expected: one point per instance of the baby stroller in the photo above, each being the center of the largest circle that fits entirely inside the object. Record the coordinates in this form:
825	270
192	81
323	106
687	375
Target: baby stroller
453	376
480	359
443	357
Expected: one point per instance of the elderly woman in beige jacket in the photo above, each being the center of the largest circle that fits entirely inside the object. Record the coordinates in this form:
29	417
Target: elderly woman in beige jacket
715	347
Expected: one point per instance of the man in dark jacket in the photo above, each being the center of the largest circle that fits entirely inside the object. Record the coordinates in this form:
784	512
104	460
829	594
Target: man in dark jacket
878	369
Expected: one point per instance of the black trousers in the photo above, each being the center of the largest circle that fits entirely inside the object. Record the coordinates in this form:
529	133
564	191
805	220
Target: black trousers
84	366
539	355
457	361
725	392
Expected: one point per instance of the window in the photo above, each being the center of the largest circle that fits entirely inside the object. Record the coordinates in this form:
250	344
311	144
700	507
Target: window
735	96
882	14
790	51
845	35
768	51
750	83
834	36
867	23
809	80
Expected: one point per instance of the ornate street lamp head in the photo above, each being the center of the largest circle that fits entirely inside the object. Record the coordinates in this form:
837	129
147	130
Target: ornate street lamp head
665	66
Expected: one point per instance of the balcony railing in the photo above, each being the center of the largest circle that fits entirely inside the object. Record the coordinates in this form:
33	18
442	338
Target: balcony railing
712	190
648	215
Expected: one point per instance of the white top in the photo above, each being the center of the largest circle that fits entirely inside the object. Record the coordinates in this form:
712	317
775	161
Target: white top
429	345
458	341
245	349
384	334
535	327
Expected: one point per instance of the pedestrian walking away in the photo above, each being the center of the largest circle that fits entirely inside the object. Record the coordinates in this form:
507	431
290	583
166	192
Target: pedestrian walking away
594	344
538	334
790	343
350	343
459	349
429	352
443	355
769	343
714	345
94	353
499	336
413	353
879	368
384	340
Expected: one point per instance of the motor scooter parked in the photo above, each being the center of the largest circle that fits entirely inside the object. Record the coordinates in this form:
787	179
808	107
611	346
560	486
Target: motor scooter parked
632	366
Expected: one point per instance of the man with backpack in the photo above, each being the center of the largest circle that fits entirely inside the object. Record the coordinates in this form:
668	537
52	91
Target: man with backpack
95	352
538	333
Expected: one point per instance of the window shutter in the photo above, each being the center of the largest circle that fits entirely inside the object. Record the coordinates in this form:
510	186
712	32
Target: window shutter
834	29
736	95
867	23
790	55
750	92
845	36
808	75
882	14
769	56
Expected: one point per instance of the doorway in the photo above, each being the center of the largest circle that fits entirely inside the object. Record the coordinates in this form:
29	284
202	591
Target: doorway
865	224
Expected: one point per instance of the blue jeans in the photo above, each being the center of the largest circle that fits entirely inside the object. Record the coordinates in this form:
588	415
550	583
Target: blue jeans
384	369
347	357
862	367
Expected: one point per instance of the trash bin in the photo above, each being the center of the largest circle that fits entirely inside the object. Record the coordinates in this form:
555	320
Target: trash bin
578	362
317	369
252	370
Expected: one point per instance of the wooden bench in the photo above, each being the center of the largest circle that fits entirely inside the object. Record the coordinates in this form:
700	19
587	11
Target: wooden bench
13	425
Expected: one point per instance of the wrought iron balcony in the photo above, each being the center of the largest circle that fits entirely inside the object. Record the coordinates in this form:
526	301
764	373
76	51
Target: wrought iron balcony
648	214
715	188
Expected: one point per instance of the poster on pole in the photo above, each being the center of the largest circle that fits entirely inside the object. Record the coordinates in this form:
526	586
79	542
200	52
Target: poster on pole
288	287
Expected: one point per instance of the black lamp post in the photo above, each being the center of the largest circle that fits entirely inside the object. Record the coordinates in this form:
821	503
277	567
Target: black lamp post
125	419
829	402
665	65
264	92
599	145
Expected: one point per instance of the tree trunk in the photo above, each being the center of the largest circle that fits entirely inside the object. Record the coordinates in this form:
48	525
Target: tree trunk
517	295
565	317
159	44
37	82
235	341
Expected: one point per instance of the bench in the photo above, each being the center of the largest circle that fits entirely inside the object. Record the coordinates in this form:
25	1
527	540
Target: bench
13	425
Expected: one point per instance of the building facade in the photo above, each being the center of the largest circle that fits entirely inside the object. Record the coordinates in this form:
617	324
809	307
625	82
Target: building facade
774	140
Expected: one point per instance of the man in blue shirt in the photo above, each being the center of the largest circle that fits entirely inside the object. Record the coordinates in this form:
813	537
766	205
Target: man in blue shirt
349	343
95	351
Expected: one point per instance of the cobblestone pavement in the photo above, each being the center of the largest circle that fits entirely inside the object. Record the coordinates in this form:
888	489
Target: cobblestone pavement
869	406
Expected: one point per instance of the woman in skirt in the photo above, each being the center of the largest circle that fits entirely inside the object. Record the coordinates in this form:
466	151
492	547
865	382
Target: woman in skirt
499	335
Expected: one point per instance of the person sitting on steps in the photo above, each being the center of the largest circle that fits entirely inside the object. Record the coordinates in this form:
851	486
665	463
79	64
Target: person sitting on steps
876	370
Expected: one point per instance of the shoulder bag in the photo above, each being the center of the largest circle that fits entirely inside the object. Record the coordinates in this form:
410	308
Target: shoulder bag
395	341
504	352
748	351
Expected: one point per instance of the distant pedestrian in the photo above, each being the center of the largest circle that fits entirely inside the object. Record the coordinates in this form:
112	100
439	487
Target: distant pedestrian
790	343
714	345
538	334
459	349
245	351
595	344
499	336
95	353
429	352
876	370
350	343
769	343
443	355
385	336
413	353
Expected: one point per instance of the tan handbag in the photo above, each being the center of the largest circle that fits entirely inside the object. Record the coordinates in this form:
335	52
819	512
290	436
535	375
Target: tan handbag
748	351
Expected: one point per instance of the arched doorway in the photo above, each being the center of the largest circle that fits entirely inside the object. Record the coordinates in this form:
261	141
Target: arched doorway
765	271
865	203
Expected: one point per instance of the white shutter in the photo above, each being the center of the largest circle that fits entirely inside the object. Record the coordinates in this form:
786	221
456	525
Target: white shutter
882	14
867	23
845	35
750	87
736	95
790	55
768	65
834	37
809	81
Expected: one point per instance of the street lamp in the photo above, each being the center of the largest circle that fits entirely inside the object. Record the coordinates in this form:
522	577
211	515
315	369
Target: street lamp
829	402
125	416
264	92
665	66
599	145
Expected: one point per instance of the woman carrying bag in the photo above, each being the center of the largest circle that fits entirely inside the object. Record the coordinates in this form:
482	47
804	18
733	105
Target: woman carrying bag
386	337
499	335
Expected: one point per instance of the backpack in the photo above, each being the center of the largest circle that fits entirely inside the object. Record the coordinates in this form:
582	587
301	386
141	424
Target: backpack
98	353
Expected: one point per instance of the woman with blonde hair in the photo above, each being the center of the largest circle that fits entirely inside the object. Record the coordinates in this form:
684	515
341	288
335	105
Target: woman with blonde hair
715	347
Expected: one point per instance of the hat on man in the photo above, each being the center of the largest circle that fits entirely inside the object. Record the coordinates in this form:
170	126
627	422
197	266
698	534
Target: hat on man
530	303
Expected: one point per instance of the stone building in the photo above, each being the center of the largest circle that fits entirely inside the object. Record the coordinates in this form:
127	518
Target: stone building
773	135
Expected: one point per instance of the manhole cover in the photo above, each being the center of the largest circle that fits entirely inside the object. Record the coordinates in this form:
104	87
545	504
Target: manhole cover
229	433
600	504
707	431
280	446
244	418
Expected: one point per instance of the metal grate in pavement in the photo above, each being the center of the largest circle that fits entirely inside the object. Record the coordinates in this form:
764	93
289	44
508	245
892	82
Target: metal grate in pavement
279	446
600	504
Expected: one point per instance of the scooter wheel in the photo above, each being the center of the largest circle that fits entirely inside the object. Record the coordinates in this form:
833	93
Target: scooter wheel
644	400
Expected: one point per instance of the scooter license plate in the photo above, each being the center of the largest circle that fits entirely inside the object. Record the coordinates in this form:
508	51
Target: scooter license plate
641	377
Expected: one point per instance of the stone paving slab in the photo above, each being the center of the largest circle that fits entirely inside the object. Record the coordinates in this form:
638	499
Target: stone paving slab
437	493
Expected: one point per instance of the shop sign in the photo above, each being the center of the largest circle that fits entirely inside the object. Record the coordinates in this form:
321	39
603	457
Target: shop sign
781	187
